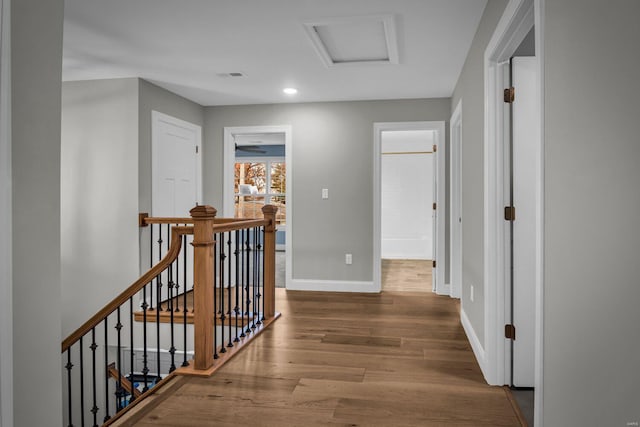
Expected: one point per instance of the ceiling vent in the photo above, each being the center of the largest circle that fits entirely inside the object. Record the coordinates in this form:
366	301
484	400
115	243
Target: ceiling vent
354	40
224	75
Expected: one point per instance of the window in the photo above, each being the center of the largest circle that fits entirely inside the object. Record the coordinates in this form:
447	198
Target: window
258	182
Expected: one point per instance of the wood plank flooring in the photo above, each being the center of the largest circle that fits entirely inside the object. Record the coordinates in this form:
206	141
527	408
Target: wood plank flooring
406	275
389	359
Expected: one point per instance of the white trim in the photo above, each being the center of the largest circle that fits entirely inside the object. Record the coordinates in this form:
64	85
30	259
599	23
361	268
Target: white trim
539	341
438	127
518	18
455	200
331	286
6	277
229	156
478	351
156	118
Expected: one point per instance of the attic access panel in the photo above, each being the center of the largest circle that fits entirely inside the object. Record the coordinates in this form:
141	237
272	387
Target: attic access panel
355	40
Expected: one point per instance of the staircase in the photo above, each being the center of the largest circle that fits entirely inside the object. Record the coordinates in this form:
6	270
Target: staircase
209	293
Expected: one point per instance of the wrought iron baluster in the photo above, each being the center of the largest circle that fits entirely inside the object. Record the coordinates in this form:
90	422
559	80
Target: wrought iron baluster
229	276
68	367
151	243
215	298
260	274
119	389
236	310
93	347
184	300
242	292
253	278
223	256
81	383
107	417
248	276
145	367
132	397
172	348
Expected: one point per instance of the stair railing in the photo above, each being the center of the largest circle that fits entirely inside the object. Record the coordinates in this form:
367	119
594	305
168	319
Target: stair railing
225	269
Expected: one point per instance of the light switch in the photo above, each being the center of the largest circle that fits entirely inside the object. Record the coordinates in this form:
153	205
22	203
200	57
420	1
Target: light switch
325	193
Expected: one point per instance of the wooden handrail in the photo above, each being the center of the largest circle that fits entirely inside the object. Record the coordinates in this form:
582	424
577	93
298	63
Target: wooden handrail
171	255
247	223
144	220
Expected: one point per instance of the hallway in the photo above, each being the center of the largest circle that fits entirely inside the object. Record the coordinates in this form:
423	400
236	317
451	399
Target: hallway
389	359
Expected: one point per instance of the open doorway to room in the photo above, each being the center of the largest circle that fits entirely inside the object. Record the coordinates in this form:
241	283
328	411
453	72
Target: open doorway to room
407	181
256	172
409	233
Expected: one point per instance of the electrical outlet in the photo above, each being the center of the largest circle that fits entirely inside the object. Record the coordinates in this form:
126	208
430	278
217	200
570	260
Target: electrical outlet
471	293
325	193
348	259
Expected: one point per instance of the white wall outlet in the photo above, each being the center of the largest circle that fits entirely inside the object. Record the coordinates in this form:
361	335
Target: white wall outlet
348	259
325	193
471	293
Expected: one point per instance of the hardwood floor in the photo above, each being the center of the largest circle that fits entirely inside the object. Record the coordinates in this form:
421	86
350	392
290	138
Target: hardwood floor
389	359
406	275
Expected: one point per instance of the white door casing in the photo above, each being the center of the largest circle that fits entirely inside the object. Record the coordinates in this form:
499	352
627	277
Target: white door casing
455	200
229	154
518	18
176	166
439	192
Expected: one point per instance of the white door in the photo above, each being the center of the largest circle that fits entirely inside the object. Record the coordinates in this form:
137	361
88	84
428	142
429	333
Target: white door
176	180
525	136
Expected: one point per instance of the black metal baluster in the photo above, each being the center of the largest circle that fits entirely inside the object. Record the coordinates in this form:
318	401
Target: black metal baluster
259	274
172	348
158	310
223	256
248	276
132	397
229	276
184	300
215	286
236	310
93	347
68	367
145	367
107	417
243	262
151	259
81	384
119	390
253	278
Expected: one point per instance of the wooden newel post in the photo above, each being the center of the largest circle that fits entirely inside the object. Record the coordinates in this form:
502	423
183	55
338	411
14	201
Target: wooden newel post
269	212
203	310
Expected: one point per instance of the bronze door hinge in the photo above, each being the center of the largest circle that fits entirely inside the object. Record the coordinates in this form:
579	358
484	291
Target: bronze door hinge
509	95
435	148
434	263
510	332
509	213
434	206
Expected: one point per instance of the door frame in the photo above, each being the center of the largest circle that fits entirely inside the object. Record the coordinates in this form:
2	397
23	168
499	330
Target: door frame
156	118
455	201
518	18
6	277
438	127
229	156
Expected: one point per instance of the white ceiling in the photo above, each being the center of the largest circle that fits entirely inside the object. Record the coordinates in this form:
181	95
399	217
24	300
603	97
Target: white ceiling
184	46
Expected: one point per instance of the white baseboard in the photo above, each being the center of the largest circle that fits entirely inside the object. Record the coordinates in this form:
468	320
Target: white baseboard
331	286
478	350
444	290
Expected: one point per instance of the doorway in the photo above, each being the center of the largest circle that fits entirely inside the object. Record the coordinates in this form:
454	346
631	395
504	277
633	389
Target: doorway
424	241
257	170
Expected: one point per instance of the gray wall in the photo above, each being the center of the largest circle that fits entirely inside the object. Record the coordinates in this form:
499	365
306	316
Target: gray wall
99	197
36	75
332	148
592	237
152	97
470	88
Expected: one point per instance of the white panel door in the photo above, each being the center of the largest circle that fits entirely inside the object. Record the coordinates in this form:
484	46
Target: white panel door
176	166
525	136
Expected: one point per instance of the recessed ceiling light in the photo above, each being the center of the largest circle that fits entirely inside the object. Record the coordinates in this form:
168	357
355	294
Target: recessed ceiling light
290	90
